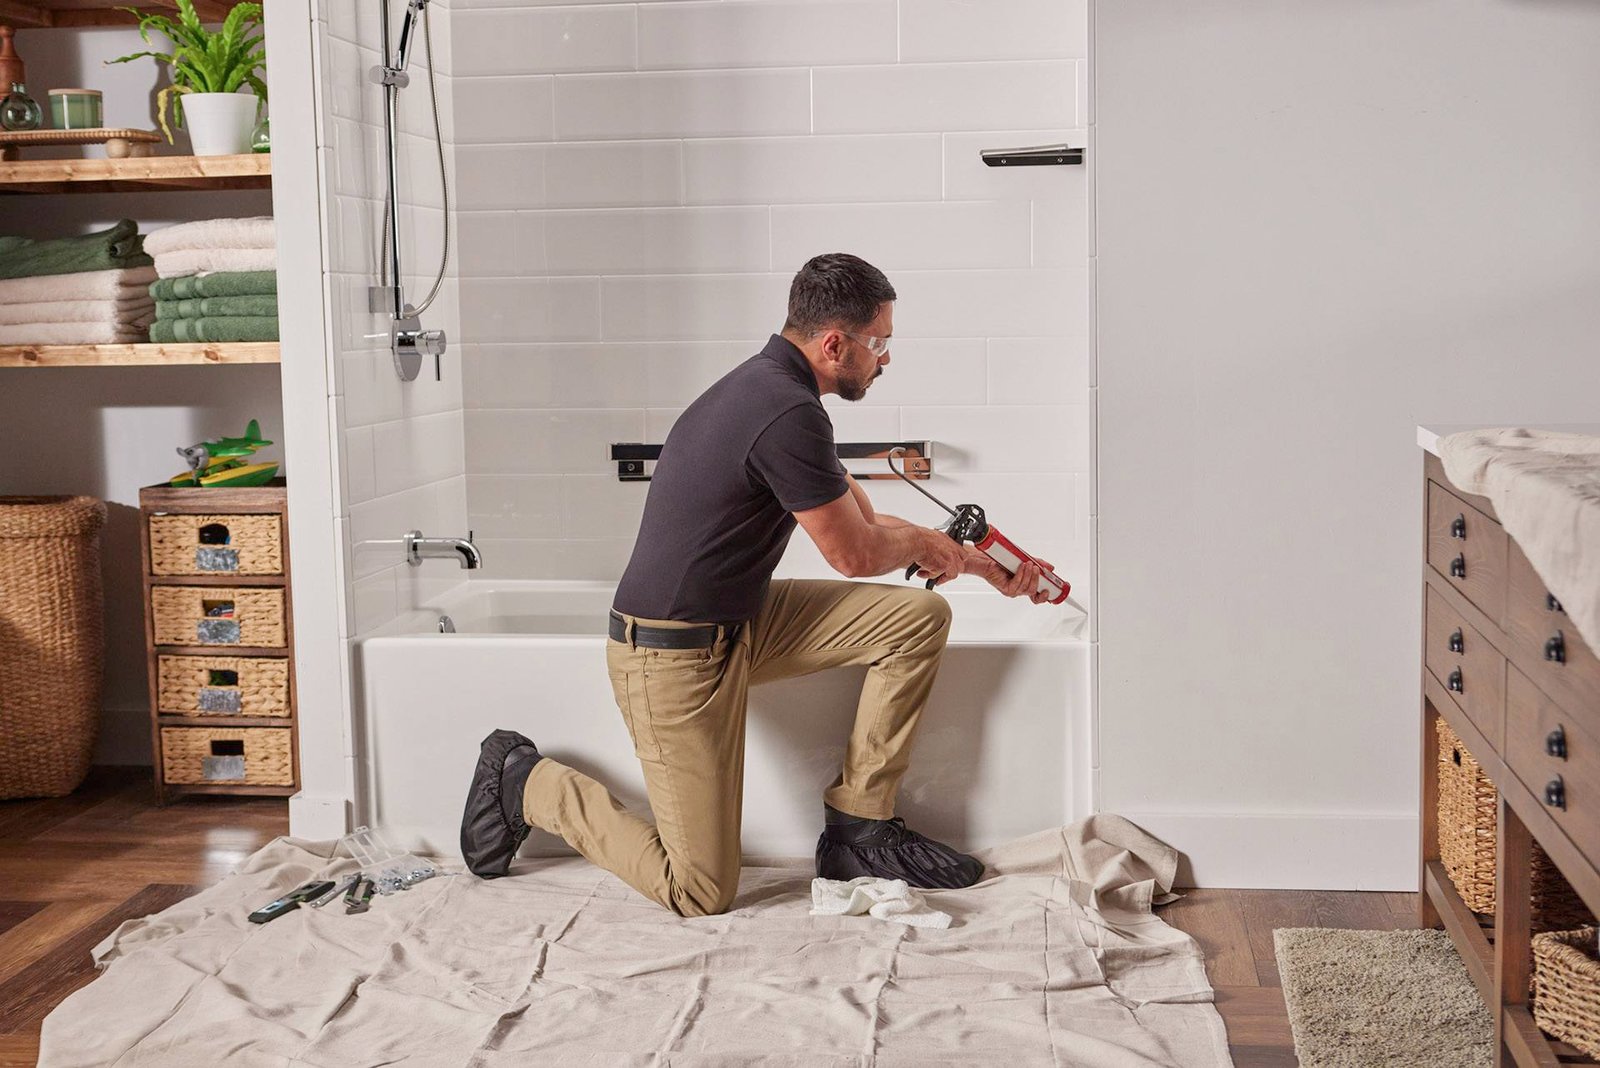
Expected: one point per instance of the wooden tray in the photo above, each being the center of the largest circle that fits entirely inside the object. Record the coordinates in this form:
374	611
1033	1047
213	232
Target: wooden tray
119	143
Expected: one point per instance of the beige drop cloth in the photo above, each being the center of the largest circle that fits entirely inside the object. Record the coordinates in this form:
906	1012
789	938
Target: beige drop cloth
1057	960
1545	487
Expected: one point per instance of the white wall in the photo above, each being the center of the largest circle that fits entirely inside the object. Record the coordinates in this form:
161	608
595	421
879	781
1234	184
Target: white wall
640	182
106	432
1316	227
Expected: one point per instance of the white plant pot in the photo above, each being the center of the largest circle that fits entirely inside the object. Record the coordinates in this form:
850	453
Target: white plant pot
219	123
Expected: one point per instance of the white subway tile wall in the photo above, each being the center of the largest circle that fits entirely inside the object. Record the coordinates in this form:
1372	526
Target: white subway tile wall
403	460
638	183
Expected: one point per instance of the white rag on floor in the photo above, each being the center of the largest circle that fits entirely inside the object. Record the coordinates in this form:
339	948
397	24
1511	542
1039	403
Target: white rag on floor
128	311
121	284
184	261
882	899
1053	959
1545	487
255	232
103	333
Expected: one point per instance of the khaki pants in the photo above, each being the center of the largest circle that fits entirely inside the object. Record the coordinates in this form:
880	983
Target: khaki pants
685	709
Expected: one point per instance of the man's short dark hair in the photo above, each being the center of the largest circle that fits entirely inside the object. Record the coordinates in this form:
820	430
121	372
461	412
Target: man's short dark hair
837	289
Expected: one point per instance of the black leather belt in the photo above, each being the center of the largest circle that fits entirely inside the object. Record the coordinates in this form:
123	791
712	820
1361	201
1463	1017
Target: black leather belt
700	637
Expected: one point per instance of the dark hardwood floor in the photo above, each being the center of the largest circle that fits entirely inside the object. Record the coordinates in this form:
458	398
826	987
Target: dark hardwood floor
72	869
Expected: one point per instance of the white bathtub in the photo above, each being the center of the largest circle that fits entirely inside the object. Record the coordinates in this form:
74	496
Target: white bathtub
1003	749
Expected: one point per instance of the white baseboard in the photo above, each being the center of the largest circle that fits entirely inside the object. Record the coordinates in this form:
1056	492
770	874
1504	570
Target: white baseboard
1290	851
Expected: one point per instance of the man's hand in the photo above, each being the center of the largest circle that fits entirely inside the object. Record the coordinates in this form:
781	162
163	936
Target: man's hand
1025	583
940	558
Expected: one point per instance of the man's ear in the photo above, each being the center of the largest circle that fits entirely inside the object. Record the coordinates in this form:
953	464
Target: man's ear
833	346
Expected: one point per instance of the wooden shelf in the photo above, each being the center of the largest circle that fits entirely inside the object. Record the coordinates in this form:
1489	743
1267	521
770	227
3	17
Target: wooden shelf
138	355
42	14
135	175
176	719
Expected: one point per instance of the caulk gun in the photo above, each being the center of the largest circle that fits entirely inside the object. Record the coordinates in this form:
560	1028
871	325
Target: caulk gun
968	524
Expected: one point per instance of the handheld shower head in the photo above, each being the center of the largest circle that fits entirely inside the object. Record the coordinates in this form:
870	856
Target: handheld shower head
402	52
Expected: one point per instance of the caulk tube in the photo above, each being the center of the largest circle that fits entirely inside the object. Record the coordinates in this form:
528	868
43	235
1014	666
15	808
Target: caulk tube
997	547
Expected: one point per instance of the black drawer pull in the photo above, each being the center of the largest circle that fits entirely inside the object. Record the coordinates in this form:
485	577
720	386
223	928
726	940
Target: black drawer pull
1458	567
1458	528
1555	650
1555	793
1555	743
1454	681
1552	604
1456	643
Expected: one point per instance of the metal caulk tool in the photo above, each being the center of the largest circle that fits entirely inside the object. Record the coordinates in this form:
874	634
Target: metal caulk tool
967	523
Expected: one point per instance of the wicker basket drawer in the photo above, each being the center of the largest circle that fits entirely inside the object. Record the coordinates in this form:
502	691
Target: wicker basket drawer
1566	976
204	615
216	545
246	756
223	685
1469	549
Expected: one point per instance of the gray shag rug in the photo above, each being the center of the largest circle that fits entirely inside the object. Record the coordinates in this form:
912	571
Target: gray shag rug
1364	999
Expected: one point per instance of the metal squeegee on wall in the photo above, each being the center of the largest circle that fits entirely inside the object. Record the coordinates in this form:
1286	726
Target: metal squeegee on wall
408	341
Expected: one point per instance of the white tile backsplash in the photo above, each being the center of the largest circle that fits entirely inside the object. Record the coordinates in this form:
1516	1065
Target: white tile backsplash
638	184
544	40
944	96
805	170
965	30
691	104
952	236
766	33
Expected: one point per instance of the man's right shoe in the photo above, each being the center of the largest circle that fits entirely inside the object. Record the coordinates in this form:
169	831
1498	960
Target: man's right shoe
492	827
853	846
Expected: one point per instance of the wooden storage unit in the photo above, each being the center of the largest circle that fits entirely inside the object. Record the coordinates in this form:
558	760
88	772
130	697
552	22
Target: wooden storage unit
1503	666
220	639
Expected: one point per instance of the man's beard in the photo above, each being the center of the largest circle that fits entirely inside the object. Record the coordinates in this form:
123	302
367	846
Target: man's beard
854	391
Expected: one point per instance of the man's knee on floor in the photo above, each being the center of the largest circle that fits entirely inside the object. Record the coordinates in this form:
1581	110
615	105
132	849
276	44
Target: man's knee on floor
704	897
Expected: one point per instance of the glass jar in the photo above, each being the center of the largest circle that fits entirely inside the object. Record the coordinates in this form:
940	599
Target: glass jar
19	111
261	136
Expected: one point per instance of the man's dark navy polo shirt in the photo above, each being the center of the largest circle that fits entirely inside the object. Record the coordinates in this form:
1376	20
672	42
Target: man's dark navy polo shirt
754	448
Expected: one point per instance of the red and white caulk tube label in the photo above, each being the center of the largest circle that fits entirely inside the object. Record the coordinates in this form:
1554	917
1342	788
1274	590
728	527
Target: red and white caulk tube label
1002	551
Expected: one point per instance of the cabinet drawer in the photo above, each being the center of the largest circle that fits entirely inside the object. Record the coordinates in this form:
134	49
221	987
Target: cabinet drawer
249	756
1469	549
222	685
1555	653
1532	723
217	615
1471	669
216	545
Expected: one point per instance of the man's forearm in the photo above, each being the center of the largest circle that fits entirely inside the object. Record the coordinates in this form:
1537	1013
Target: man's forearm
889	547
891	521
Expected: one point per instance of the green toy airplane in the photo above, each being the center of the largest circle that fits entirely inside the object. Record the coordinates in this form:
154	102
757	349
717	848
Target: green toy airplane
221	462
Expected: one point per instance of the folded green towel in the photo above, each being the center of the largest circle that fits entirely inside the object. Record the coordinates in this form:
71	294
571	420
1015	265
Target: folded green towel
208	307
108	250
219	284
216	328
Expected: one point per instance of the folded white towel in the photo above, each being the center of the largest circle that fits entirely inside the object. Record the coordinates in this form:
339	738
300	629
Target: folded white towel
107	333
85	285
883	899
207	260
79	311
256	232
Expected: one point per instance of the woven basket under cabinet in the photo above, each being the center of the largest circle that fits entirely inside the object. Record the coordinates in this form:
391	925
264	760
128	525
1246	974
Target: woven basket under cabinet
52	644
1566	987
216	545
1468	826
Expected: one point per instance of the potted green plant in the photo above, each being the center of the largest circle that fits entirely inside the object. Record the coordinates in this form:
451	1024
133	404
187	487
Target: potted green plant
208	70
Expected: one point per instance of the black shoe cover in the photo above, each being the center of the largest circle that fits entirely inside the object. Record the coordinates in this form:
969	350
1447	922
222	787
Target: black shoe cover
888	849
492	827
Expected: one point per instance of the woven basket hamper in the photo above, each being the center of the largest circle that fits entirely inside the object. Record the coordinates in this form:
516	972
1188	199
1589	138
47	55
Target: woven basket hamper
180	616
1566	987
223	685
1468	826
189	545
52	642
189	756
